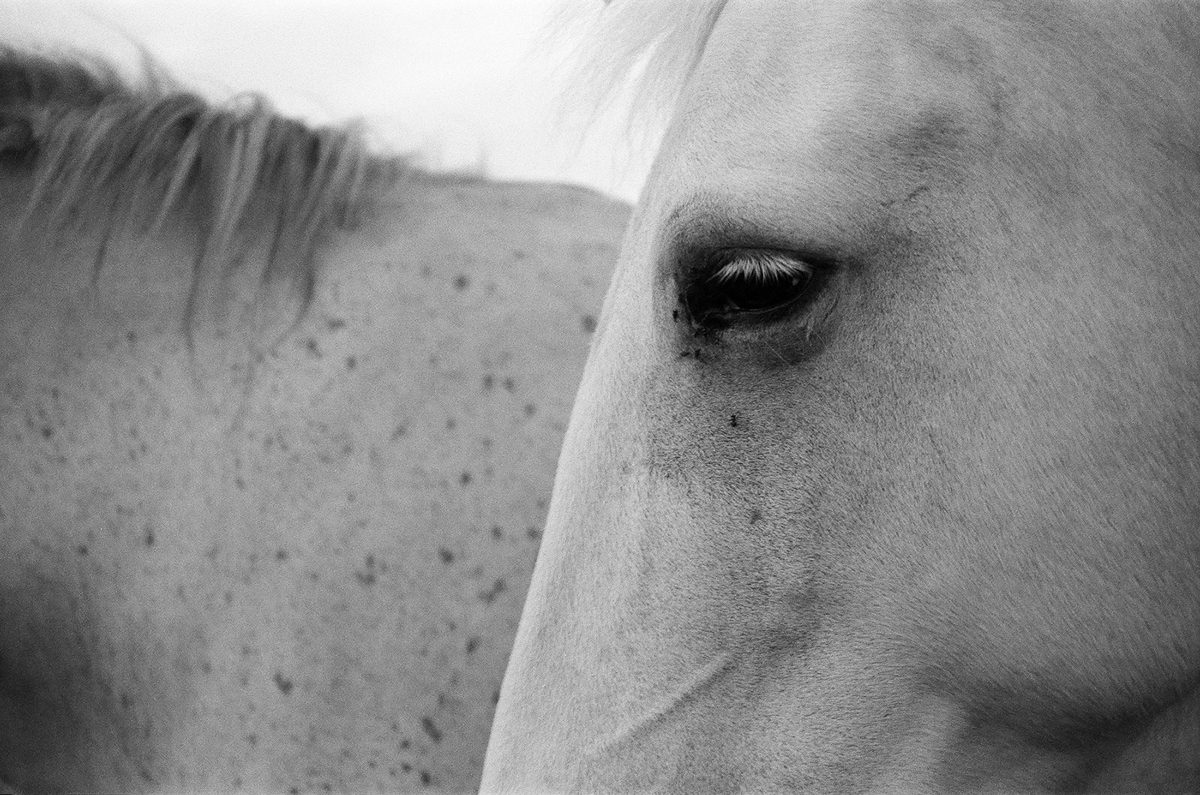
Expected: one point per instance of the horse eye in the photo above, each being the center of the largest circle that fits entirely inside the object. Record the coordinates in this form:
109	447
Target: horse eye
749	285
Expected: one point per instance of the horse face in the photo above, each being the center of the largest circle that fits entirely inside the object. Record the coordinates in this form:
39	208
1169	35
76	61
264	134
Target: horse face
884	465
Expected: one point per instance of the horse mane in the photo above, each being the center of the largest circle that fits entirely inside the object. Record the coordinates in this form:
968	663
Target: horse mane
117	156
646	47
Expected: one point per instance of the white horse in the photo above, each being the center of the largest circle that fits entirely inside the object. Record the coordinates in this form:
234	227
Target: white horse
278	420
884	473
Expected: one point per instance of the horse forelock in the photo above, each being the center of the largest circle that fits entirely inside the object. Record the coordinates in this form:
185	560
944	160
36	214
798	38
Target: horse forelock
115	156
646	47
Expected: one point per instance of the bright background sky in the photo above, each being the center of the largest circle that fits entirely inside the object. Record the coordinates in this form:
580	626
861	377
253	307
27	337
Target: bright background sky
464	83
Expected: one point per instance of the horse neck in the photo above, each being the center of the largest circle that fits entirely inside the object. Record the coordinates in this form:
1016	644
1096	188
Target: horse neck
89	290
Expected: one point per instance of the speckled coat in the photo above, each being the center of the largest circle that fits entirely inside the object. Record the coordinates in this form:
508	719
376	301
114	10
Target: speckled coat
299	569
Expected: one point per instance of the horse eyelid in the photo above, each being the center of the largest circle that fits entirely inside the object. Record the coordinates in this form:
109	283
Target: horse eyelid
731	283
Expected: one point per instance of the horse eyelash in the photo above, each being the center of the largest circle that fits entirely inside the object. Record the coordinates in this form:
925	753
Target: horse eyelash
762	266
